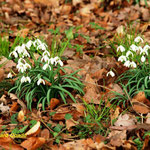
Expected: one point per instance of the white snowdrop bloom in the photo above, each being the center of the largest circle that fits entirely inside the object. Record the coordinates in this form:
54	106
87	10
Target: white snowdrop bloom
129	53
60	63
133	64
40	81
23	79
143	59
46	53
26	54
146	48
42	46
111	73
28	79
138	39
28	44
26	66
19	49
121	48
122	58
14	53
9	75
134	48
52	60
46	66
20	67
37	42
144	51
56	60
127	63
45	58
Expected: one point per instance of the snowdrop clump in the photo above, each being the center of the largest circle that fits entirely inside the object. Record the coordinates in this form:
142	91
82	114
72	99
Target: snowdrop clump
21	53
42	78
135	54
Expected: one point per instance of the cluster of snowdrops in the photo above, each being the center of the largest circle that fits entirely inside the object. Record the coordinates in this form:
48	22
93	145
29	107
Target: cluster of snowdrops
42	77
132	56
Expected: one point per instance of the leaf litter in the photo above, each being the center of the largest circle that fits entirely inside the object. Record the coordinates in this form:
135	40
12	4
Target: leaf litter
34	18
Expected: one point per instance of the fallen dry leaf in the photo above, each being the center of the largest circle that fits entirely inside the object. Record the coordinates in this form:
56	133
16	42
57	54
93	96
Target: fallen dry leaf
115	114
91	91
140	97
14	107
4	109
53	103
34	130
80	108
125	120
70	123
148	118
140	107
1	74
45	133
7	143
75	2
117	137
98	74
20	117
33	143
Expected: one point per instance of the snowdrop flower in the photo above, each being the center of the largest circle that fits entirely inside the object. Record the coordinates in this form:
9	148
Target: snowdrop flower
26	54
23	79
9	75
60	62
134	48
122	58
20	67
133	64
56	60
28	44
14	53
146	48
28	79
40	81
138	39
129	53
111	73
19	49
45	58
127	63
121	48
42	46
143	59
37	42
46	53
144	51
26	66
46	66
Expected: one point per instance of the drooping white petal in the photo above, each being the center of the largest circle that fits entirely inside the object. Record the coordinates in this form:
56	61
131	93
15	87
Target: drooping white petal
122	58
133	64
138	39
23	79
28	79
143	59
111	73
129	53
9	75
134	48
46	66
40	81
127	63
28	44
121	48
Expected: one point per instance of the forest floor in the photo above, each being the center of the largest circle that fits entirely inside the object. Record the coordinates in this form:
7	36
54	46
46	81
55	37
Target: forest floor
108	115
